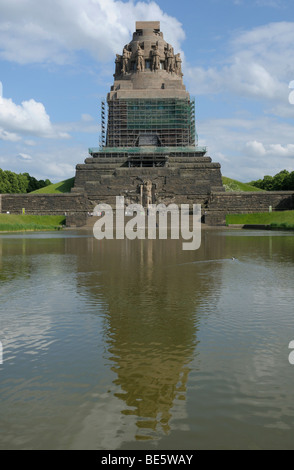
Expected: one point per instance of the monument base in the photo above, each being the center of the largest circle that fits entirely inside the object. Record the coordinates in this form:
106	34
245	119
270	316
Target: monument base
149	176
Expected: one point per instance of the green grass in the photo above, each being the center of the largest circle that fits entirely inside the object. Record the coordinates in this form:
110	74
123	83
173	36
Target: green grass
234	185
61	187
66	185
281	219
16	223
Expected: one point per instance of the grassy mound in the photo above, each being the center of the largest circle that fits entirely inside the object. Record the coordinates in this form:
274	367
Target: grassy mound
61	187
16	223
234	185
66	185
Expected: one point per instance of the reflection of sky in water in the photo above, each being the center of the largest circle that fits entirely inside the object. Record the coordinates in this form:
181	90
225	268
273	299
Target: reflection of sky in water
128	344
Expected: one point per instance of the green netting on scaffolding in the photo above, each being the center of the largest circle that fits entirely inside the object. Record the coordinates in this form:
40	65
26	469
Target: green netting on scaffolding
172	121
159	114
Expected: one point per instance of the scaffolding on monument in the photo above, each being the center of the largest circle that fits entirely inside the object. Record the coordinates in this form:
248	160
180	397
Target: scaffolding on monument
151	122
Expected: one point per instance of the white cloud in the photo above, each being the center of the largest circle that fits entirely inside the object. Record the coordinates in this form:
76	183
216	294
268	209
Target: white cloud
259	64
87	118
253	147
25	156
8	136
255	72
54	161
28	118
256	148
32	31
279	150
30	142
59	171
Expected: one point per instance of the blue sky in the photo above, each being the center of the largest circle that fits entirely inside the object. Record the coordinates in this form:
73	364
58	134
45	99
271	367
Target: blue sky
57	62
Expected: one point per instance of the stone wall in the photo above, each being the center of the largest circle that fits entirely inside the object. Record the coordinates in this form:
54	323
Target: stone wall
221	204
76	205
44	204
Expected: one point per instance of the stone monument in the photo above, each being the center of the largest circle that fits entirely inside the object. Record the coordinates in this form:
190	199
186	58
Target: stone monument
149	151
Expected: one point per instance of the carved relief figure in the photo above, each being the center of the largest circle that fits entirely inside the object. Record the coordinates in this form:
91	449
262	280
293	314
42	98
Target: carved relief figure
147	193
155	58
178	65
118	64
125	60
170	60
140	59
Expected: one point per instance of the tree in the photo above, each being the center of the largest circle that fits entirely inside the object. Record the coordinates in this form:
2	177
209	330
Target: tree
289	182
11	182
282	181
34	184
279	180
4	183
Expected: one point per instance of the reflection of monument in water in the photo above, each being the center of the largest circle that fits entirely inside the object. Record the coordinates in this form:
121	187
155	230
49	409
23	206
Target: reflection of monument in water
149	149
150	328
151	357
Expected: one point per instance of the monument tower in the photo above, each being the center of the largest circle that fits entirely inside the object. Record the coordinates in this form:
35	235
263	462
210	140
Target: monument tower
149	149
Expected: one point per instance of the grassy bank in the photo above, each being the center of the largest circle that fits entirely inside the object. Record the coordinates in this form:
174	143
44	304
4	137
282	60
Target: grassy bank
57	188
66	185
17	223
283	219
234	185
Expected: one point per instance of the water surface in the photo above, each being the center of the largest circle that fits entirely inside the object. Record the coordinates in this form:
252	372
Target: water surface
120	344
